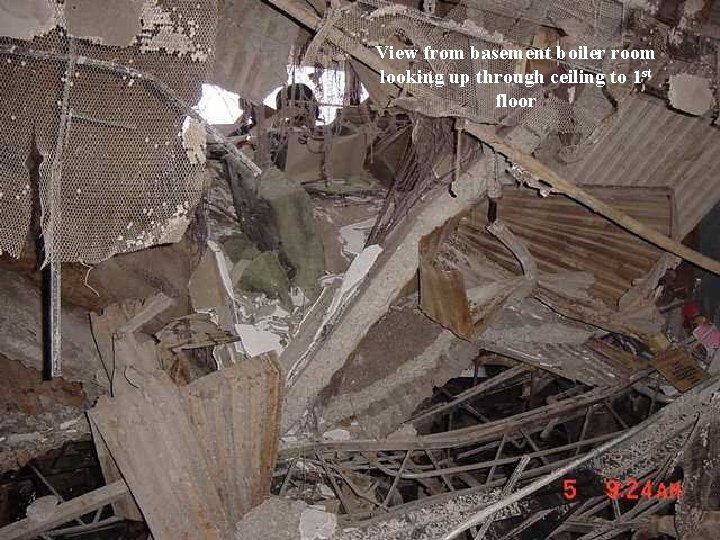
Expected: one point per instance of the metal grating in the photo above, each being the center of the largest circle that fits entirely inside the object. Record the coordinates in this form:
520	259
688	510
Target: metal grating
122	162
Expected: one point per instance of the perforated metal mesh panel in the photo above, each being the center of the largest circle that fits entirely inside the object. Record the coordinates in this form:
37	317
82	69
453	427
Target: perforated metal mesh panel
125	172
29	118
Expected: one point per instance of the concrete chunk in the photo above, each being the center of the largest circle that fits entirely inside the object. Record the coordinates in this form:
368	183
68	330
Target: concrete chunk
690	94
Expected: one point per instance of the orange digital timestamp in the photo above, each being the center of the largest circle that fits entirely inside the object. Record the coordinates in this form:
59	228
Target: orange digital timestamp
630	490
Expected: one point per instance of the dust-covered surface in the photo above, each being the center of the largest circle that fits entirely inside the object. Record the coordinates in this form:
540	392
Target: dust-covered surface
89	19
663	439
21	335
24	437
379	391
690	94
430	522
25	19
276	517
532	332
37	416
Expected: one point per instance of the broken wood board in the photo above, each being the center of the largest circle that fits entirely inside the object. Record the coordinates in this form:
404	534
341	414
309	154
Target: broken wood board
679	368
193	331
114	329
180	340
157	451
236	415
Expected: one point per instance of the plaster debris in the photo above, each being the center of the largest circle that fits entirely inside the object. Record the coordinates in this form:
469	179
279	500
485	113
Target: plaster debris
337	435
162	32
317	525
42	507
359	268
355	235
256	341
690	94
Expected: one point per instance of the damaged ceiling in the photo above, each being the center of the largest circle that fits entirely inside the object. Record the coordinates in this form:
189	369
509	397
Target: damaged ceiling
359	309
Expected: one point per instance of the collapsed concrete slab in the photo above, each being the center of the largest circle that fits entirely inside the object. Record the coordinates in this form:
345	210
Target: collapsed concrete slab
393	270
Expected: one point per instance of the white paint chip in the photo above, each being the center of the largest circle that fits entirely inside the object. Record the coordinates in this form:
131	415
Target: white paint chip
256	341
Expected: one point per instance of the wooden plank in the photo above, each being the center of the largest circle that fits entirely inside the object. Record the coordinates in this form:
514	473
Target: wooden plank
679	368
626	362
27	528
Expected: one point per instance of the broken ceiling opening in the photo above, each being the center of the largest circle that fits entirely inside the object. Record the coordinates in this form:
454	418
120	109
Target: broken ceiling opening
250	290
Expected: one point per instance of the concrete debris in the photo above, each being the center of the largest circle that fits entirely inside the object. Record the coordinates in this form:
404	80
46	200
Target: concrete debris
690	94
276	516
317	524
430	521
381	287
42	508
379	395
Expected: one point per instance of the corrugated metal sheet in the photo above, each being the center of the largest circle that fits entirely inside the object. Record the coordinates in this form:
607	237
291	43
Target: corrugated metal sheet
651	145
567	241
157	451
236	414
196	458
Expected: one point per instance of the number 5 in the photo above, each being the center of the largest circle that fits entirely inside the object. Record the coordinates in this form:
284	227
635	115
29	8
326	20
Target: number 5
569	489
